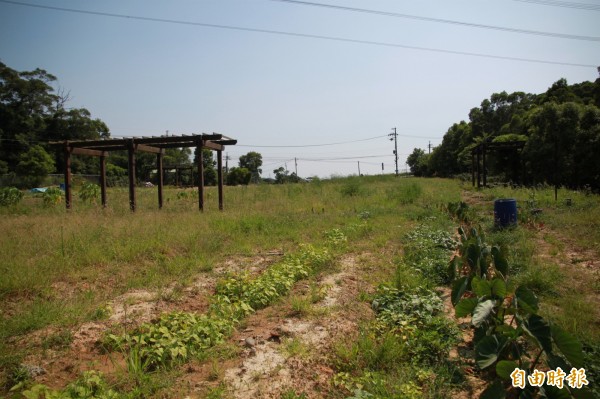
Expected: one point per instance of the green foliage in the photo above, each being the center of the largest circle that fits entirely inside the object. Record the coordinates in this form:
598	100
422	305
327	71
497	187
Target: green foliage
505	319
30	112
252	161
34	165
283	176
172	339
10	196
417	318
427	251
406	192
89	192
53	196
418	162
237	176
291	394
352	187
335	237
460	212
560	129
90	385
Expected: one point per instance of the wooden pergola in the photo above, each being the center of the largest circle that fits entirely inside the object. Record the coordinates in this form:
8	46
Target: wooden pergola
479	158
155	145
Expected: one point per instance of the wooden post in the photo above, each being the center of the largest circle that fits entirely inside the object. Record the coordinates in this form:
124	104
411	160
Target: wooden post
159	169
131	152
220	177
103	180
68	194
200	176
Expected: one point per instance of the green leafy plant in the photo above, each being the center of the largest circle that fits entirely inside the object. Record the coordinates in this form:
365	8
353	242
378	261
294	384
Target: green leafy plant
89	192
460	211
509	332
427	251
10	196
90	385
416	317
53	196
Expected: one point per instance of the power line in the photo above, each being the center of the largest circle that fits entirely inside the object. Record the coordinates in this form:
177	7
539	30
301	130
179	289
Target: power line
443	21
340	158
564	4
307	145
302	35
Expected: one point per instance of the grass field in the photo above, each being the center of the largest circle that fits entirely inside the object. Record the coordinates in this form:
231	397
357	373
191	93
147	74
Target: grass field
60	269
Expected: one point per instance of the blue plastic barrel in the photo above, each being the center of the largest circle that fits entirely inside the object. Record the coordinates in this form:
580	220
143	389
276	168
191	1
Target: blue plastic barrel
505	212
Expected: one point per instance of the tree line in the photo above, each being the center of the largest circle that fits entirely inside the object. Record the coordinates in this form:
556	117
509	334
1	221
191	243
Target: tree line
34	112
560	130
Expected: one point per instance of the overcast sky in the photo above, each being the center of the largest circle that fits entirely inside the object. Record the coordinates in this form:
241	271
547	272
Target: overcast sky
145	77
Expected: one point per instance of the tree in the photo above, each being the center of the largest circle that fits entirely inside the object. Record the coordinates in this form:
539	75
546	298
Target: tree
25	102
283	176
75	124
252	161
418	162
32	114
238	176
560	128
34	165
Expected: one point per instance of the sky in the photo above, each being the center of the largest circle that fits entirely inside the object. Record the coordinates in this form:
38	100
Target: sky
304	101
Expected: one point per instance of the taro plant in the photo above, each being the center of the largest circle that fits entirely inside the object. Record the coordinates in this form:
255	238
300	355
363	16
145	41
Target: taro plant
460	211
510	336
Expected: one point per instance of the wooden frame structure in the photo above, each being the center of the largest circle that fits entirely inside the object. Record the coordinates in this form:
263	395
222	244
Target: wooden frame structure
155	145
479	152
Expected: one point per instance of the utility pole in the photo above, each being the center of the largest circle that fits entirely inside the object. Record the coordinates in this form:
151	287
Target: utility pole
394	137
226	162
382	168
359	168
429	147
296	165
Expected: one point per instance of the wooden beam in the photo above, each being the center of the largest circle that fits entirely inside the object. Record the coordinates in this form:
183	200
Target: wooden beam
87	151
226	142
147	148
213	146
220	177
